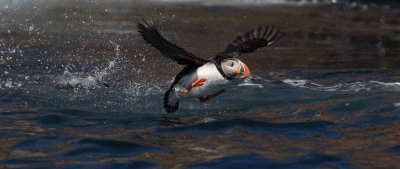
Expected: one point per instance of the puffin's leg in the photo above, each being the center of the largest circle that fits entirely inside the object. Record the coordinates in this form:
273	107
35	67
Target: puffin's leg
211	96
198	82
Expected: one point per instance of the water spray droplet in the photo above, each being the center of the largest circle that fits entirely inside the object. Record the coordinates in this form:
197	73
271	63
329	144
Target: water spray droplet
31	28
12	50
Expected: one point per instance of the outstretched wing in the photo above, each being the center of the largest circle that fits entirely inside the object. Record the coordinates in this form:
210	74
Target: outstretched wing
151	35
250	41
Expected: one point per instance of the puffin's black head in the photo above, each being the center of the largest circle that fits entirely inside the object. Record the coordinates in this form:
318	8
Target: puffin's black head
233	67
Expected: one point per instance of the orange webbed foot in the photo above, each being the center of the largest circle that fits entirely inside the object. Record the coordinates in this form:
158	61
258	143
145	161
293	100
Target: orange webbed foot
211	96
199	82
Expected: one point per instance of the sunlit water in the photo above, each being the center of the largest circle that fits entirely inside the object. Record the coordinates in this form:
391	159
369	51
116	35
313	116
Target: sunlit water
80	89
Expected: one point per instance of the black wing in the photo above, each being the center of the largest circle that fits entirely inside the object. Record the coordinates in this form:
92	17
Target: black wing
250	41
151	35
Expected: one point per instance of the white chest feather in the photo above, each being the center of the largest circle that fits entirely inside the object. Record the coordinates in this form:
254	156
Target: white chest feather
214	82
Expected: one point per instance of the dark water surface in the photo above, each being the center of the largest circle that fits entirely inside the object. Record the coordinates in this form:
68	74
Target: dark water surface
80	89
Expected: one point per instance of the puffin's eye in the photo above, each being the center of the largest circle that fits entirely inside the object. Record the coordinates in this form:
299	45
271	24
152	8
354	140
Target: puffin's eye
232	64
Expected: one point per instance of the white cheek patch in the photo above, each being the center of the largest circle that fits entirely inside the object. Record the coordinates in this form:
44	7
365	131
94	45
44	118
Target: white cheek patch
231	71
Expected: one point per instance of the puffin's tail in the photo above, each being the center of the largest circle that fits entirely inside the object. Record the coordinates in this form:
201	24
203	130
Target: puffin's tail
171	102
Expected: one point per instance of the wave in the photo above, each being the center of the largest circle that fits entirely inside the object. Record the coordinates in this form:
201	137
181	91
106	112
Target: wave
347	86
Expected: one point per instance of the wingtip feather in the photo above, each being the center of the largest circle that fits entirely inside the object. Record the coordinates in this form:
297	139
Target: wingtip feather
250	41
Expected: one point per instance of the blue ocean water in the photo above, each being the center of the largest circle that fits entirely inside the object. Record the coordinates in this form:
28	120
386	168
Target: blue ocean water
80	89
258	123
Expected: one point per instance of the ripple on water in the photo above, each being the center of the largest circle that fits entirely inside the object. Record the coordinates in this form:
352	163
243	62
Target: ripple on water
310	160
288	130
108	147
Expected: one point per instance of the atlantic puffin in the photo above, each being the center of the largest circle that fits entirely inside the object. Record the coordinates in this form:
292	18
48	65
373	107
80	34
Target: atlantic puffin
201	78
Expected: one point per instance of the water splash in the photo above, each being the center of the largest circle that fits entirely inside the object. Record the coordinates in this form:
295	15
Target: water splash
10	84
76	80
144	89
252	81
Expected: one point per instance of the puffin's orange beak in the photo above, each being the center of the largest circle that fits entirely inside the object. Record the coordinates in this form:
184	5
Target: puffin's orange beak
244	70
